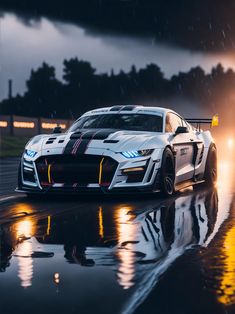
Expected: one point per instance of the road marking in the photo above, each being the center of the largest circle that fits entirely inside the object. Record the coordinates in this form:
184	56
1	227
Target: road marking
9	198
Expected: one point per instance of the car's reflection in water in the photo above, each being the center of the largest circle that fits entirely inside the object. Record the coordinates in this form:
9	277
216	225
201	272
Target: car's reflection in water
136	242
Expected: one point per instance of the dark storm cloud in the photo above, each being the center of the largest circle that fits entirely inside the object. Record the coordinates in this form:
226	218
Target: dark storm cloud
206	25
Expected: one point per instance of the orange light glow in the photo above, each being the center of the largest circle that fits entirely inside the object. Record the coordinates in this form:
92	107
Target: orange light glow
47	125
127	232
3	124
23	124
225	171
230	143
24	230
226	289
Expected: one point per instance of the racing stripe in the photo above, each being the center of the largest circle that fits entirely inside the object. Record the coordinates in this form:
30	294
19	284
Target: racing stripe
85	140
91	139
79	141
82	147
69	147
93	135
75	146
104	133
74	142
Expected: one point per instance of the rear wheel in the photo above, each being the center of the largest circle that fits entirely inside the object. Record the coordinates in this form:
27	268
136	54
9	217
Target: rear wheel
167	173
211	167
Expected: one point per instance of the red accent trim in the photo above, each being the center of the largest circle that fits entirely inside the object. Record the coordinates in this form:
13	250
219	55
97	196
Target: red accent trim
46	183
105	184
75	149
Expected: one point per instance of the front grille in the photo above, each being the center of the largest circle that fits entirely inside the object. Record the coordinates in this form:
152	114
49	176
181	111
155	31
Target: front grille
79	169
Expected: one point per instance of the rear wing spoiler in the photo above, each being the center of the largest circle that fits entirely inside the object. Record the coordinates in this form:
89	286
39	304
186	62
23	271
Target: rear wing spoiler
214	121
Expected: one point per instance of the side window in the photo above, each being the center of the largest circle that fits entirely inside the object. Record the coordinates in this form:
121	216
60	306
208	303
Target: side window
172	122
168	127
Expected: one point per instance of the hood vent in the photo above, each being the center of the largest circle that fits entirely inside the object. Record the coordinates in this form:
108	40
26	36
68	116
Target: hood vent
50	140
111	141
123	108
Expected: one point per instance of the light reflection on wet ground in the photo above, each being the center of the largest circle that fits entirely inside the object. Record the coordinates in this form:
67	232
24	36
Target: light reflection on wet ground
110	255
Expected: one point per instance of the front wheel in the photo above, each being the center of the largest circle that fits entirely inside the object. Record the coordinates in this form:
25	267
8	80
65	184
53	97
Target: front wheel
167	173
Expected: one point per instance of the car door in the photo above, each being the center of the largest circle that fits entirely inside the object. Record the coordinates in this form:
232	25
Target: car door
198	150
183	145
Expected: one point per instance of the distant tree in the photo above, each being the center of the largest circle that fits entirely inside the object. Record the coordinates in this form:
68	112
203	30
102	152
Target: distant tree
151	81
218	71
83	89
77	72
43	94
40	78
81	84
192	84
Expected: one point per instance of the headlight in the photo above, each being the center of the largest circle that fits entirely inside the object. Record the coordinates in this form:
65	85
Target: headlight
137	153
30	153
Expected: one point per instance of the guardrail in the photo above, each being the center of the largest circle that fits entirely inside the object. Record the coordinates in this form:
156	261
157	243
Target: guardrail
24	126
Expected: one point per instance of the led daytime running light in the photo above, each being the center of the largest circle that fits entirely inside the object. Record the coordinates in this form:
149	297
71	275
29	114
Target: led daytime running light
137	153
30	153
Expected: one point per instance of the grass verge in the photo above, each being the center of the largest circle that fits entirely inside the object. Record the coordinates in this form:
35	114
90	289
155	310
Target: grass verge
12	146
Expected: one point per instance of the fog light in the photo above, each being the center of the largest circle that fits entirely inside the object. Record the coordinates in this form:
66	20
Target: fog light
135	169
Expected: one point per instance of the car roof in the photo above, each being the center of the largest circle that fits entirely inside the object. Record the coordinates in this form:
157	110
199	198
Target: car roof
130	109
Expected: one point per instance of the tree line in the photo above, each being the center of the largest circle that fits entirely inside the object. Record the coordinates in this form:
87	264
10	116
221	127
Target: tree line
82	89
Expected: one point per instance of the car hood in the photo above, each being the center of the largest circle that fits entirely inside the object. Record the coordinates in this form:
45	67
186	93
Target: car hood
125	141
106	139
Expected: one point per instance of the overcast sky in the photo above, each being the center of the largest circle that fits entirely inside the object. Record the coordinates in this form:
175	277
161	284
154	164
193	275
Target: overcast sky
24	46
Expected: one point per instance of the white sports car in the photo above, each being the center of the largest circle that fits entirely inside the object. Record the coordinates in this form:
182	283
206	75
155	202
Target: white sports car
120	149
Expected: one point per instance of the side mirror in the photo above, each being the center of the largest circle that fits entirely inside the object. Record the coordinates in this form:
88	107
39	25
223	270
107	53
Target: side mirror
181	129
57	129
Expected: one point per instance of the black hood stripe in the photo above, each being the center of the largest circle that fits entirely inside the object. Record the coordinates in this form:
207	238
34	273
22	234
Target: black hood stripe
100	134
80	140
85	140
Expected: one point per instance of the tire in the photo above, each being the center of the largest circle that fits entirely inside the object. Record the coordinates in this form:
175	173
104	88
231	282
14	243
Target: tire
167	173
211	167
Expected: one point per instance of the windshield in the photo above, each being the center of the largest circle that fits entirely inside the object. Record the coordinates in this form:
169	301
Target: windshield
134	122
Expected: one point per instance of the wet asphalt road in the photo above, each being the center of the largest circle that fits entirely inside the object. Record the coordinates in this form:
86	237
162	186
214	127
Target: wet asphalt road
8	175
118	255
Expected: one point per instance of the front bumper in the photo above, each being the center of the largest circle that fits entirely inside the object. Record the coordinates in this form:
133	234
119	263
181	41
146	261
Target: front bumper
87	174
